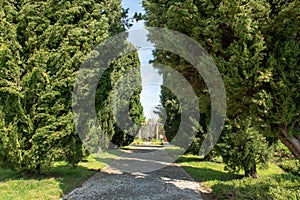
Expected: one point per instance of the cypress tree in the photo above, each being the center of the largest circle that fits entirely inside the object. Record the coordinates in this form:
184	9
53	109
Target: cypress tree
43	44
255	45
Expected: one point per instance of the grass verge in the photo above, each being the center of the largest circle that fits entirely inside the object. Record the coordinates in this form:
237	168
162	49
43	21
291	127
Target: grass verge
292	166
61	179
273	183
146	142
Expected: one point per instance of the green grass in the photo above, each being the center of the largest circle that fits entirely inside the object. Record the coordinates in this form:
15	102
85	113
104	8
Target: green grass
106	157
174	151
61	179
205	172
292	166
144	142
273	183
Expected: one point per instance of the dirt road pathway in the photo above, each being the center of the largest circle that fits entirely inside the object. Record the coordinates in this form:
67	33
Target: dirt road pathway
140	173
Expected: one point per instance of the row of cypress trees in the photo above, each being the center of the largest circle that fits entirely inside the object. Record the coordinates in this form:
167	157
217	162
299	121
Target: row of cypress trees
42	46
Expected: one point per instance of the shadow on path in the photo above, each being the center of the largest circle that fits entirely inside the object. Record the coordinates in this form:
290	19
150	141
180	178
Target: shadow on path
140	173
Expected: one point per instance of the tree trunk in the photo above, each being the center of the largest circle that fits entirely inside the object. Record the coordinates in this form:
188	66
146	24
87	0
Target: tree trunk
156	131
251	172
291	142
140	134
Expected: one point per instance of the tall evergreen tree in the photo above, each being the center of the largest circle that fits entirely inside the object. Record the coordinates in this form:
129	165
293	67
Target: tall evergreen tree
255	45
43	44
122	103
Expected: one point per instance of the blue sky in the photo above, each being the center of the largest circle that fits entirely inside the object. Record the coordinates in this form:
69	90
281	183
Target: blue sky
133	5
151	80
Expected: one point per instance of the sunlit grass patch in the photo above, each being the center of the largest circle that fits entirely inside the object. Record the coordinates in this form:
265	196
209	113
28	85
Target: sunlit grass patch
273	183
60	180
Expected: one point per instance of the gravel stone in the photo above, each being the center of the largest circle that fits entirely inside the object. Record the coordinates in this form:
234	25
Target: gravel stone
140	173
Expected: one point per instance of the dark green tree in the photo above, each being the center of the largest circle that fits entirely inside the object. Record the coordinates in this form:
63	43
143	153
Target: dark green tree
255	45
127	110
42	46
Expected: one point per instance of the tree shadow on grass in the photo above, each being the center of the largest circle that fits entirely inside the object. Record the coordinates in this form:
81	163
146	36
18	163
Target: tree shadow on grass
70	178
281	186
207	174
61	180
189	159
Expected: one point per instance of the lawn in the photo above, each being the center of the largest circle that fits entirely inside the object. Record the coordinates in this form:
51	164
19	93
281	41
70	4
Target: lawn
274	183
60	180
145	142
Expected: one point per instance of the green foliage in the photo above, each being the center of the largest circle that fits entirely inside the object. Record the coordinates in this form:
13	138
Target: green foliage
291	166
196	144
35	85
255	45
273	183
279	187
206	171
145	142
42	46
173	113
281	152
60	180
194	148
127	107
242	147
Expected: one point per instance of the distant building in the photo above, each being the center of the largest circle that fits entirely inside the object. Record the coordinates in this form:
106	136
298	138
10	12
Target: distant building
152	130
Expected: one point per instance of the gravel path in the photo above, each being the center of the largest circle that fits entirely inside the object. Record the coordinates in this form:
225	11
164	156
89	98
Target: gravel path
140	173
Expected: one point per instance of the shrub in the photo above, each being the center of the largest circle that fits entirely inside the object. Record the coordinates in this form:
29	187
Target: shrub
291	166
284	186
